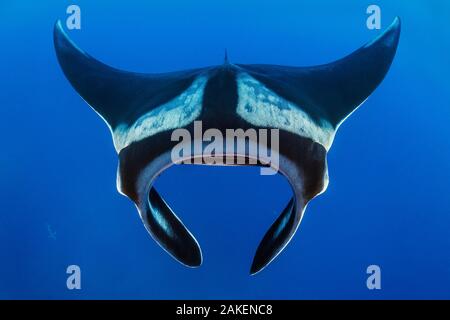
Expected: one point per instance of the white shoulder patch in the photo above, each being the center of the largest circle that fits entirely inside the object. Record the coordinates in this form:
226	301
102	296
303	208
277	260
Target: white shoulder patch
174	114
262	107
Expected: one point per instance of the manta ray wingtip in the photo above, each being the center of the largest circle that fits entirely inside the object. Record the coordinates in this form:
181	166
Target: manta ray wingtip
58	24
389	38
60	38
395	26
58	29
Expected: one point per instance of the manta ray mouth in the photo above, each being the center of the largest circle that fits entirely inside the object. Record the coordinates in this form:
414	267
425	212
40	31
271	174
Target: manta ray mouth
174	237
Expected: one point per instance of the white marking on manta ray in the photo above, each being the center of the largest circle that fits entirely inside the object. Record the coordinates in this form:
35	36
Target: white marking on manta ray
262	107
176	113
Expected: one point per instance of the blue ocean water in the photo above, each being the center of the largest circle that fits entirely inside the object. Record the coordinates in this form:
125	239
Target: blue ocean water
387	202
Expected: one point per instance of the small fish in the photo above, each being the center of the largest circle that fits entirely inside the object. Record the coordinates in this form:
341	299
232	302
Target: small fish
51	233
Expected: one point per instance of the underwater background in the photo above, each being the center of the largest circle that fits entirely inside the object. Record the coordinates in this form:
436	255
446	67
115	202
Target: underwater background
387	202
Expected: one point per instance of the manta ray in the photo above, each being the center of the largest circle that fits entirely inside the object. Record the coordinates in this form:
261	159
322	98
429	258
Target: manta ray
306	104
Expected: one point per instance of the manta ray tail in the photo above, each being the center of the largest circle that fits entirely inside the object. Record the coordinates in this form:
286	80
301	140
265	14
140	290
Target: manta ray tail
225	57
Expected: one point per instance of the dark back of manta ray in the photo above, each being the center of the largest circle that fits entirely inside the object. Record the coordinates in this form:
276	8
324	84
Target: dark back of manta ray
327	94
